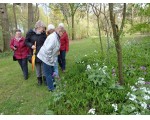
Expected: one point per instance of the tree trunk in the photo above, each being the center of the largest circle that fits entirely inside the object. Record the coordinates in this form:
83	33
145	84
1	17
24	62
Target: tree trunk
5	26
132	14
107	33
119	59
73	27
87	20
30	16
15	18
116	35
99	31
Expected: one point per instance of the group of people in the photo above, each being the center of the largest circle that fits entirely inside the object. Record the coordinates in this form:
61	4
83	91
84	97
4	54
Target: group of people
51	47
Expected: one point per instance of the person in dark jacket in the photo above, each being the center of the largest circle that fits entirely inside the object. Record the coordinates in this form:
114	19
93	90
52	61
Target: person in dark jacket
21	51
37	34
64	47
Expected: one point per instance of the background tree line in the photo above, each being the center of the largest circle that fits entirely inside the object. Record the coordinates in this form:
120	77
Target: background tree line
81	20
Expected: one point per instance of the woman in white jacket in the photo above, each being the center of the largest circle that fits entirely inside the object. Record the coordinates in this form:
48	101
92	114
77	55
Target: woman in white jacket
48	53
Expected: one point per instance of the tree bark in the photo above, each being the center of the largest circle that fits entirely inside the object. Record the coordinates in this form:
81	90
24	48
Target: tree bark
30	16
97	12
73	27
87	20
15	18
73	7
116	35
5	26
132	14
99	32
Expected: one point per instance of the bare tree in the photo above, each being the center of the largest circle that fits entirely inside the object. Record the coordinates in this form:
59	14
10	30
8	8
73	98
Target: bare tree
14	11
30	16
116	34
36	13
73	8
5	25
88	9
106	26
97	7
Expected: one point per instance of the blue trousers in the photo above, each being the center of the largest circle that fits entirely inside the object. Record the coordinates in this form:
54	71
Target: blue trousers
62	59
56	67
24	66
48	71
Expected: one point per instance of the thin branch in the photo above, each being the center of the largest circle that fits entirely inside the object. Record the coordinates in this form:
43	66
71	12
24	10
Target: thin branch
123	19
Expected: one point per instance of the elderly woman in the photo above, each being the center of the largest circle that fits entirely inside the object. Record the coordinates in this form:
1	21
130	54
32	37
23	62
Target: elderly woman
48	53
37	35
20	52
64	47
50	30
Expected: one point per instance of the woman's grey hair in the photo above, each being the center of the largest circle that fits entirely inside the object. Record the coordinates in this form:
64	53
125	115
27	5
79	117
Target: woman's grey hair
39	24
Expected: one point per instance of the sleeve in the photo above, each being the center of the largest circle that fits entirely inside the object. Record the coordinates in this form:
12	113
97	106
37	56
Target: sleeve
12	44
28	40
67	43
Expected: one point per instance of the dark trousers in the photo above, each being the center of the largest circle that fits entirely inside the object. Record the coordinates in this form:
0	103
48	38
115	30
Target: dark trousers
24	66
62	59
48	71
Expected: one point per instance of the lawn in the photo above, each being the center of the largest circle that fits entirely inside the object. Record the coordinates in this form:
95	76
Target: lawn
18	96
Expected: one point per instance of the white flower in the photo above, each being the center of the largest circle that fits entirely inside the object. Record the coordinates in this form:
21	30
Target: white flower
144	105
92	111
141	82
115	107
128	94
133	88
148	91
133	97
146	97
143	89
82	61
140	78
88	67
96	64
85	55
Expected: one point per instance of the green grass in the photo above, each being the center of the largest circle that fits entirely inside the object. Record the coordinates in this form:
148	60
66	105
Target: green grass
18	96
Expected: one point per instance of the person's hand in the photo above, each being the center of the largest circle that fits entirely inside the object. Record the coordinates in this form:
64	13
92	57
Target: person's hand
58	53
15	48
33	47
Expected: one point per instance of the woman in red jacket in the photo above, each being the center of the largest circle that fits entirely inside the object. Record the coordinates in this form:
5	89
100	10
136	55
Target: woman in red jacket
64	47
21	51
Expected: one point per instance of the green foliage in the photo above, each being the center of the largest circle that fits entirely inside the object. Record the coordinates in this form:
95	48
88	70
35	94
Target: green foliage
141	27
75	93
138	99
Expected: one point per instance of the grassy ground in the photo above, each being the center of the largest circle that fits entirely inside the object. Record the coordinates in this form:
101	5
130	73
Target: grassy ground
18	96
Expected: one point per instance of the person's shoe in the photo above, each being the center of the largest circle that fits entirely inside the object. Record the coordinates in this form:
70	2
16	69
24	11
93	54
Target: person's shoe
57	77
63	71
51	90
25	77
44	80
39	81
